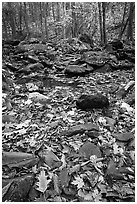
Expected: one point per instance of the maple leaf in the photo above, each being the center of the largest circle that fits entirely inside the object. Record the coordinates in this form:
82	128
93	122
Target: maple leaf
79	182
43	181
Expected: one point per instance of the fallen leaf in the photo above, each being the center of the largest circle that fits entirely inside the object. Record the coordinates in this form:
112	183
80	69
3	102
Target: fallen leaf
78	182
43	181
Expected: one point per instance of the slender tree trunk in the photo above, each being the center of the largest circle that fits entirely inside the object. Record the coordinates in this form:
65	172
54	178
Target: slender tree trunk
74	23
100	23
53	12
20	17
123	20
54	17
12	20
64	14
5	28
26	18
104	22
46	25
41	16
58	11
130	24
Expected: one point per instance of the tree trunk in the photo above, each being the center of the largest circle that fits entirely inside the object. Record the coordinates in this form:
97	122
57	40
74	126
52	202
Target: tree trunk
41	16
74	23
53	11
5	28
46	25
12	20
100	23
130	24
26	18
64	14
20	17
104	22
123	20
58	12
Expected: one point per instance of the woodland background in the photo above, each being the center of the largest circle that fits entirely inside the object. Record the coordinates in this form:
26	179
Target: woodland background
68	101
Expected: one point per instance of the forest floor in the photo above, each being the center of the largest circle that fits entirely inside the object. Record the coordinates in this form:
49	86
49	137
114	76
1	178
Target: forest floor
47	154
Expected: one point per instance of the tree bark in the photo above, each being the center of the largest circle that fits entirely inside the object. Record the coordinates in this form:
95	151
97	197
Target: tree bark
100	23
123	20
74	23
130	23
41	16
26	18
12	20
46	25
104	22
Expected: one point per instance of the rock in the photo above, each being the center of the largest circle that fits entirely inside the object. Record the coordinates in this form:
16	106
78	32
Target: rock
76	70
131	99
37	97
8	119
46	63
37	48
124	137
33	41
92	134
86	39
129	85
12	42
18	159
33	59
116	44
127	108
19	189
122	92
88	102
96	59
111	122
80	129
31	68
89	149
113	88
105	68
122	64
50	159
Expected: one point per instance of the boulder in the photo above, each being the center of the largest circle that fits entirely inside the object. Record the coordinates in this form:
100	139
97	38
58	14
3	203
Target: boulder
86	39
124	137
80	129
116	44
76	70
89	149
88	102
122	64
30	68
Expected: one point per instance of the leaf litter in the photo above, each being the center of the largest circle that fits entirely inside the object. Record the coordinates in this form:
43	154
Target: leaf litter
72	155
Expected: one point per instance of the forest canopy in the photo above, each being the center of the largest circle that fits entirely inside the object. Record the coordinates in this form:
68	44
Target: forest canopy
61	20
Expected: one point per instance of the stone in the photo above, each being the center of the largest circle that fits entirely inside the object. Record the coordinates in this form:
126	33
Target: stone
86	39
96	59
18	189
80	129
111	122
76	70
88	102
105	68
36	67
89	149
131	99
124	137
116	44
92	134
122	64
